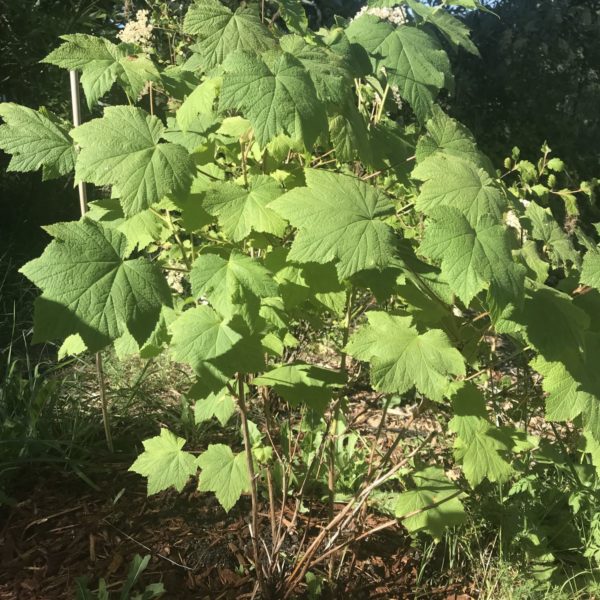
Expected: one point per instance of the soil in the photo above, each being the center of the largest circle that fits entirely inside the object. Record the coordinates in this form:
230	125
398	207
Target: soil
64	530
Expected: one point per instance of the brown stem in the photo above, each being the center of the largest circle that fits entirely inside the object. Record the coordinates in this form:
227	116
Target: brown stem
253	490
305	562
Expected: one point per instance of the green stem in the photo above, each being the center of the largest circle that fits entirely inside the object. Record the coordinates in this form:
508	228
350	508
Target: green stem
184	255
379	113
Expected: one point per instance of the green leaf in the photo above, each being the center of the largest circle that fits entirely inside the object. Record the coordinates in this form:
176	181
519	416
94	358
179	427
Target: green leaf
392	148
590	271
547	230
221	32
432	506
35	141
565	340
90	287
448	136
224	473
72	346
473	256
329	71
197	138
276	94
303	384
401	358
565	400
200	101
461	185
220	405
232	283
102	63
241	211
456	32
339	218
349	134
412	59
293	14
122	149
480	446
138	566
164	463
143	229
200	335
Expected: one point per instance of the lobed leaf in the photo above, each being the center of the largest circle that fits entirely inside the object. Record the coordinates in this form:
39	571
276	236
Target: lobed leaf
338	219
224	473
411	59
276	94
35	140
102	63
221	32
164	463
122	149
90	287
401	357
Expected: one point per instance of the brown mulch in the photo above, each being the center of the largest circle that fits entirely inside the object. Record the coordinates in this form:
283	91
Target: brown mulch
62	530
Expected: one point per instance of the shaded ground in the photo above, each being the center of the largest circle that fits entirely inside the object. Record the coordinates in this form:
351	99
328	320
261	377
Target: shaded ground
64	530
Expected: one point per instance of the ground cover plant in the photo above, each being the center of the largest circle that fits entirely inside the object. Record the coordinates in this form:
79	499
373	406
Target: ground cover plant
289	214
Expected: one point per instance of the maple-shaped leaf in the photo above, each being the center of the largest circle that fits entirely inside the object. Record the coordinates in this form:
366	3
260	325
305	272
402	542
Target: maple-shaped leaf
200	102
473	256
196	138
392	148
565	340
90	287
241	211
222	31
454	30
35	140
200	335
328	70
143	229
232	284
276	94
293	15
164	463
413	60
217	404
349	135
565	400
339	218
480	446
460	184
224	473
546	229
448	136
303	384
122	149
432	505
102	63
401	357
590	271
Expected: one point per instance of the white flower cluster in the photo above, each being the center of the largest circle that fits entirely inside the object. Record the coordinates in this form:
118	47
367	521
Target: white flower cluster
138	31
395	15
396	95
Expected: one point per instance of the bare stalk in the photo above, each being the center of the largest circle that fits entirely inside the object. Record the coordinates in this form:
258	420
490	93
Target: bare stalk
104	403
253	490
343	517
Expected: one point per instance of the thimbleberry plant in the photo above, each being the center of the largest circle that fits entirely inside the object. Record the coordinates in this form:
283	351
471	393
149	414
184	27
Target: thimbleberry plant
293	215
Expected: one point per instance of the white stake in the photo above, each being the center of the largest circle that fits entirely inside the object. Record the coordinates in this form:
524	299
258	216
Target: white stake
83	206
